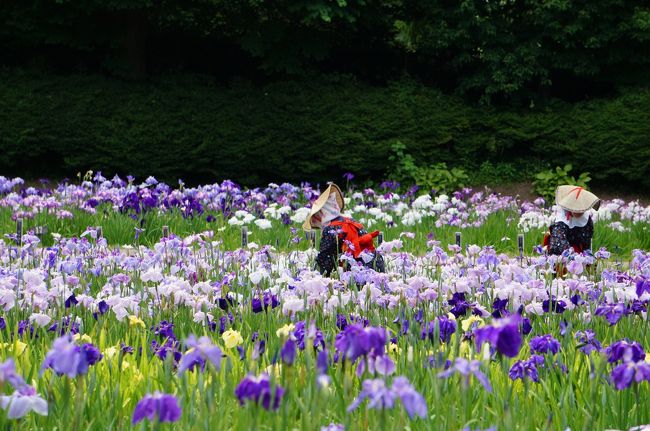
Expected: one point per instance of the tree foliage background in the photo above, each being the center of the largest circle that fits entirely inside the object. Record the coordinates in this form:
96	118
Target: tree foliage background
495	58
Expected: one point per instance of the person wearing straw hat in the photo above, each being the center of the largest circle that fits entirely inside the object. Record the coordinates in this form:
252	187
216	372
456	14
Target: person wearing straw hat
573	226
340	234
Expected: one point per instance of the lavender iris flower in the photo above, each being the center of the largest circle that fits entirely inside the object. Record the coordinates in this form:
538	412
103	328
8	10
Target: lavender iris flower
612	312
157	405
627	373
258	389
587	341
201	350
379	396
65	357
22	402
544	344
467	368
8	374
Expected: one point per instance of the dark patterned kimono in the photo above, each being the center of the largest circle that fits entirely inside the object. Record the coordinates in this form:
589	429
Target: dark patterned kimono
330	246
562	237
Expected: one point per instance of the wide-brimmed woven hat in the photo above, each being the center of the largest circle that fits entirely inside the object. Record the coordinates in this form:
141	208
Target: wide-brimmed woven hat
320	202
575	198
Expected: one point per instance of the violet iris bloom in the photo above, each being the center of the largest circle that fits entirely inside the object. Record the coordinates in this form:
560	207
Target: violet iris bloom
611	312
379	396
503	335
258	389
627	373
625	351
200	350
65	357
22	402
288	352
587	341
157	405
8	374
355	341
544	344
467	368
526	369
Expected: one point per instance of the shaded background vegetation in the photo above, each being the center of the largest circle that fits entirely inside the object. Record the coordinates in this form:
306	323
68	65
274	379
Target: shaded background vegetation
262	91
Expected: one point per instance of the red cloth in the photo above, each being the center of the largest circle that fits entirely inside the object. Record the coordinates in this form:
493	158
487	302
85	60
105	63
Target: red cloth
351	239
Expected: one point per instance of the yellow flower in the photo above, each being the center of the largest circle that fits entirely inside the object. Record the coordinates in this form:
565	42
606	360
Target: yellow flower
274	370
18	347
647	357
464	349
285	331
451	316
84	338
135	320
110	352
232	338
467	323
394	348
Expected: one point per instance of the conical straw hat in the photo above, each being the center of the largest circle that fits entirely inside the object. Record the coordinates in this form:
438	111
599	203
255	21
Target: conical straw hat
575	198
318	203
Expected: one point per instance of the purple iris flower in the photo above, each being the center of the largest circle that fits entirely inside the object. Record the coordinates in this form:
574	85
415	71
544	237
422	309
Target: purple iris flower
258	389
65	357
587	341
102	306
322	362
413	402
552	304
126	349
8	374
446	328
157	405
201	351
504	336
311	331
459	304
499	307
355	341
64	326
544	344
268	300
23	326
526	369
164	329
348	176
288	352
72	300
468	368
378	394
169	347
91	353
625	351
526	326
627	373
642	286
612	312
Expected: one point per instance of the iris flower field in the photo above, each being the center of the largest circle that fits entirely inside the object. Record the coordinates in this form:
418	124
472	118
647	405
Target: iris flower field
142	305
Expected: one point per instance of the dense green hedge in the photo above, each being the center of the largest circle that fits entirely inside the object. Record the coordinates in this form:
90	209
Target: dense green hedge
189	127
